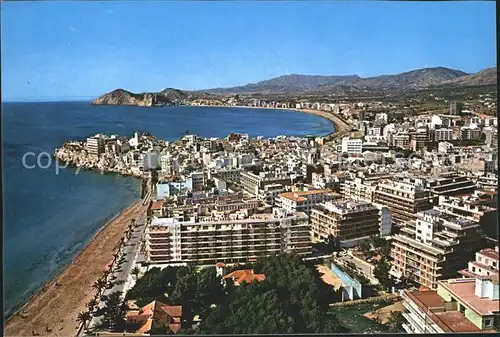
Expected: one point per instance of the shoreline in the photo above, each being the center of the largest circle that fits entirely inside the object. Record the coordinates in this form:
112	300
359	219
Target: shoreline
338	124
56	304
44	297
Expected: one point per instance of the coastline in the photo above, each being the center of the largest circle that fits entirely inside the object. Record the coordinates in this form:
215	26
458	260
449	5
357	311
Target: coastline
338	124
52	310
57	303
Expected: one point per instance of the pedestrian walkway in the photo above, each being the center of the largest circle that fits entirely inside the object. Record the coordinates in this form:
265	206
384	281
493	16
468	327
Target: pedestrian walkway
120	276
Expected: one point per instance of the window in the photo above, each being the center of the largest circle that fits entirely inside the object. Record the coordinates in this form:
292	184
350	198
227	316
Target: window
488	323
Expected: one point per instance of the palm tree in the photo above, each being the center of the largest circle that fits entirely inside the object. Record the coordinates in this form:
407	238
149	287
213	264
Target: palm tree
99	285
115	257
92	304
83	317
136	271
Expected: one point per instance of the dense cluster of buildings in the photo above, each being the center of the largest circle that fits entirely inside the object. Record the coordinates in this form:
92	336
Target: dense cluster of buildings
427	183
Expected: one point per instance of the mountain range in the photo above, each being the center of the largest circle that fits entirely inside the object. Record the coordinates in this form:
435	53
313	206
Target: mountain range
331	85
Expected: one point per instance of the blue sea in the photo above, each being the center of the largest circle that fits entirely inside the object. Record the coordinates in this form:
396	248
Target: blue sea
50	216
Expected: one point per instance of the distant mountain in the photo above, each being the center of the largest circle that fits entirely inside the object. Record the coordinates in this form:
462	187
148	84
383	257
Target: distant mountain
415	79
484	77
308	84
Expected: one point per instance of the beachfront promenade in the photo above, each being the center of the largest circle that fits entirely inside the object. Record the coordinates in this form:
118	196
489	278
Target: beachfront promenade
53	311
121	277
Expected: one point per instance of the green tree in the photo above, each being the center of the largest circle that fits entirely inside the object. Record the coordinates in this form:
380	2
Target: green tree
92	304
83	317
99	285
364	246
396	321
114	313
136	271
381	273
292	299
155	284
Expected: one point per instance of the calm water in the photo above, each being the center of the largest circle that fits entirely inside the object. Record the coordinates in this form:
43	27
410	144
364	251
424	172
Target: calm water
49	217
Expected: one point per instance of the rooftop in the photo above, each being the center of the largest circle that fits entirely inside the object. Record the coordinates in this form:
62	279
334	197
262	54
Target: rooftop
490	253
345	206
302	195
449	321
244	276
157	205
464	290
146	316
164	222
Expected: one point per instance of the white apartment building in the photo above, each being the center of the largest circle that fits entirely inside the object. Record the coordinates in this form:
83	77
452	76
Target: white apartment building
445	147
233	238
347	220
303	201
352	146
359	189
486	264
198	180
443	135
470	304
270	193
230	175
95	145
404	197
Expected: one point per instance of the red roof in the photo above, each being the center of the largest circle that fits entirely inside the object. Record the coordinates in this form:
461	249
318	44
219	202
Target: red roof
157	205
489	253
220	264
172	311
245	276
146	316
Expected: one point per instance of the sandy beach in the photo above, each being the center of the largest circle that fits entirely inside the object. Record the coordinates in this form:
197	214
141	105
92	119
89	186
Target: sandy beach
53	310
339	124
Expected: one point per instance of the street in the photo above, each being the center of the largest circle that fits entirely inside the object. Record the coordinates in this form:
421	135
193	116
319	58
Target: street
120	276
364	267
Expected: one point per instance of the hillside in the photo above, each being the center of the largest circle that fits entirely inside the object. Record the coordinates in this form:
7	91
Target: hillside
289	85
419	78
123	97
484	77
415	79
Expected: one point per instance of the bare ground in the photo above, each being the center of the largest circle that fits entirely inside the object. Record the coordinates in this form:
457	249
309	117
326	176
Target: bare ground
384	313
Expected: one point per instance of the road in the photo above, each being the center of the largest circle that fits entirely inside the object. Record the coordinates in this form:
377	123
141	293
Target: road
364	267
121	274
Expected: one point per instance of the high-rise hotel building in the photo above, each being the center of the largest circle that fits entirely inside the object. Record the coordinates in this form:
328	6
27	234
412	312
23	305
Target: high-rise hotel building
434	247
347	220
404	196
228	238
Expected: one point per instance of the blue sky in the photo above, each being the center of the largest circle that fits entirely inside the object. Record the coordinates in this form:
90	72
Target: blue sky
77	50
